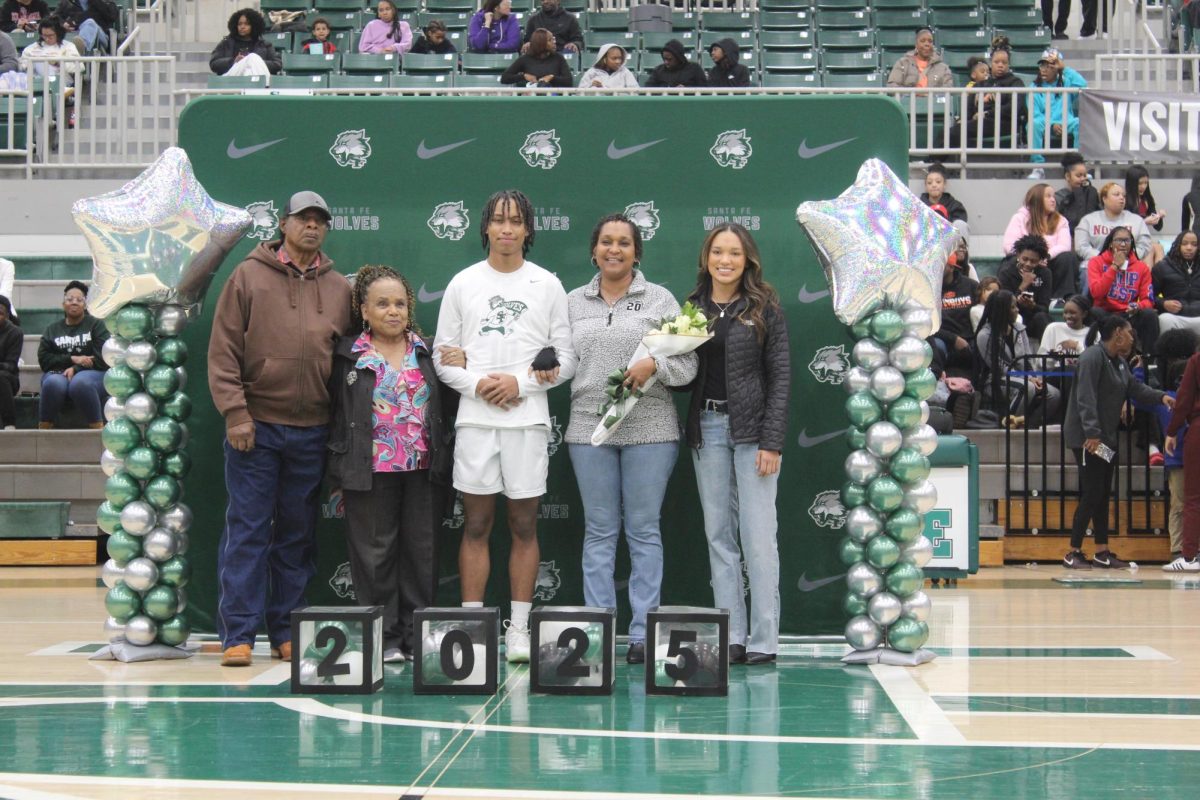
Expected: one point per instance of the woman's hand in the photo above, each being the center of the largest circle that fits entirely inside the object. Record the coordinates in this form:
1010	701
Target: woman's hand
1120	257
1091	445
767	462
637	375
1172	306
1069	346
453	356
487	20
69	373
545	79
597	85
1169	445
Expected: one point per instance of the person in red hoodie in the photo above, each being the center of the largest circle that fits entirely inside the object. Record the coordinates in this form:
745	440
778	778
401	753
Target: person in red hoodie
1120	283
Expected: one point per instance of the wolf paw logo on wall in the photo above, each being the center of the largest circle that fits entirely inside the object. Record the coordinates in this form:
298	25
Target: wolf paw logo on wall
351	149
342	583
548	581
827	510
541	149
264	220
830	364
502	317
732	149
449	221
645	216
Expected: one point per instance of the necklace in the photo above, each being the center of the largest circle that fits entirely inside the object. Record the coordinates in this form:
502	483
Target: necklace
723	307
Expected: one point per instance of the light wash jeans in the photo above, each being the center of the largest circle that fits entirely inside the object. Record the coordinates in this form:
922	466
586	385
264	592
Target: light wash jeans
625	481
739	505
93	36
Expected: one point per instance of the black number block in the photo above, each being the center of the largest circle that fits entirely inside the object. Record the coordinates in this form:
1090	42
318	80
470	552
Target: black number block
572	649
457	650
687	651
337	650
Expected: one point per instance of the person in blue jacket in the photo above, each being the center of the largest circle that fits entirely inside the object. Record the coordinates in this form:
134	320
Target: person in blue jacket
1054	109
494	29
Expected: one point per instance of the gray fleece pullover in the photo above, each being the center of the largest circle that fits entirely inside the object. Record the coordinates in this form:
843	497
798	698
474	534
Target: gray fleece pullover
1102	385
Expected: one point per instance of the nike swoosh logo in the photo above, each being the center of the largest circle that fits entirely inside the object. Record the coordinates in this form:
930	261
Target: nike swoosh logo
233	151
426	153
615	152
805	585
428	297
812	152
811	297
811	441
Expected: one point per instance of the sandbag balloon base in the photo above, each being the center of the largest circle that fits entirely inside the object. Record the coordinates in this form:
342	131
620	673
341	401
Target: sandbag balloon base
122	650
888	656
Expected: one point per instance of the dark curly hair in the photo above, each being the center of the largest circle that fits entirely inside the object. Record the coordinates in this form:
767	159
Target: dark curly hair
1031	241
366	276
257	23
524	207
635	232
55	23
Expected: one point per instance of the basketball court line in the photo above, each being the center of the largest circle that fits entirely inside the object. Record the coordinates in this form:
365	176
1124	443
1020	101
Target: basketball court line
925	717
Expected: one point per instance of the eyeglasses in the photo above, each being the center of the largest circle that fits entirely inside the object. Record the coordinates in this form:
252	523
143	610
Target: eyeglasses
1122	241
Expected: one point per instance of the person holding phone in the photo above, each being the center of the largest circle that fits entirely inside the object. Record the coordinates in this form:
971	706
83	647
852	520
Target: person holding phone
1120	283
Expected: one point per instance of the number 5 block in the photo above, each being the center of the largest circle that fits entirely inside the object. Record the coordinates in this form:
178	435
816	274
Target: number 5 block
573	649
687	651
337	650
456	650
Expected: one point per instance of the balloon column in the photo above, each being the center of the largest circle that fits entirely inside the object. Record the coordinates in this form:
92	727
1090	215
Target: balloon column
884	252
158	240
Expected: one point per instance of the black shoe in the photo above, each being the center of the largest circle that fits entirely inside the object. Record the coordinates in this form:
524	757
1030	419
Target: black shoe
1107	559
759	658
636	653
1076	560
737	654
1060	36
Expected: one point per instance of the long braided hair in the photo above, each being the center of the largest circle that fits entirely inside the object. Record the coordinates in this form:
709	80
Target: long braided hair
518	198
362	284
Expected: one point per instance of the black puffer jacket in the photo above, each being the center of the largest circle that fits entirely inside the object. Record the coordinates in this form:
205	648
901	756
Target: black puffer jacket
1177	280
228	49
757	380
11	340
686	73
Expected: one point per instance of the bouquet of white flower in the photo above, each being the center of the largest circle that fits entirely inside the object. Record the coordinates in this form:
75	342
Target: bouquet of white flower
674	336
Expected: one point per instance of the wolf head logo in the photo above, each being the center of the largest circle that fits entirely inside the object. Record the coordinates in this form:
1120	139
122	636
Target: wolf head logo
732	149
645	216
264	220
458	516
541	149
449	221
342	583
351	149
555	437
828	510
830	364
548	582
503	315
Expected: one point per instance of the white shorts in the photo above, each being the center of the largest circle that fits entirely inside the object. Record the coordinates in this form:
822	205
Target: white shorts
512	461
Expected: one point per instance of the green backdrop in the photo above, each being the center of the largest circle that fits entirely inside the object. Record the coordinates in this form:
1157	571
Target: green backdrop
407	178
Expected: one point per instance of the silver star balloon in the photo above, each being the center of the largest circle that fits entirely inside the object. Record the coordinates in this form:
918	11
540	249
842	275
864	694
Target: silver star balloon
879	245
158	239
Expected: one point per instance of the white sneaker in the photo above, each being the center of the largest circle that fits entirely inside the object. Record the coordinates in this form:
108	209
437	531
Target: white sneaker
1037	174
10	427
1181	564
393	655
516	643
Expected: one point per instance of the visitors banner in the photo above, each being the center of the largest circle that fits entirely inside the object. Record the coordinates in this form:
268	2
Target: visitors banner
1139	127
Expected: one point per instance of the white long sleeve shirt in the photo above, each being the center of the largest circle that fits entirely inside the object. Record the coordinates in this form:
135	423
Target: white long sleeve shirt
502	320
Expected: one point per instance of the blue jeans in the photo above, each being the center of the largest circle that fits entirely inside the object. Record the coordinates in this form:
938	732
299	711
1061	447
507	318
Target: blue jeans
738	504
93	36
86	391
633	480
267	553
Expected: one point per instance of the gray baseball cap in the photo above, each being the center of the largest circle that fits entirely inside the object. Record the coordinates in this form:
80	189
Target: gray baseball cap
302	201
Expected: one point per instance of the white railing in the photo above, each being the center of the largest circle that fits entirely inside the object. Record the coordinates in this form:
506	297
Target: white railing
1153	72
1131	29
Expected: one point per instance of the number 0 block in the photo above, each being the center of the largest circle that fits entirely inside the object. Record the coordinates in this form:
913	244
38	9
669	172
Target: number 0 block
456	650
687	651
573	649
337	650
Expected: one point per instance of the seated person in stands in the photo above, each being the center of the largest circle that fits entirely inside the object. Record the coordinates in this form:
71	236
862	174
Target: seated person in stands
985	110
952	342
935	194
1039	216
675	69
609	71
962	255
1140	201
1121	284
1068	337
987	286
1190	215
10	77
22	15
542	65
1094	228
387	33
560	22
1025	274
1078	197
1177	284
494	29
1056	109
90	20
8	274
1002	343
11	341
70	357
922	66
319	42
243	51
433	40
978	71
727	69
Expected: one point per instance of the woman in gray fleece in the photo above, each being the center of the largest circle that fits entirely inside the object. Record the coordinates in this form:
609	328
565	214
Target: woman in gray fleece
627	475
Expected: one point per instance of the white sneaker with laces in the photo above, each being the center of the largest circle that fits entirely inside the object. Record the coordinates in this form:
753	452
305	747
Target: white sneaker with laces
1181	564
393	655
516	643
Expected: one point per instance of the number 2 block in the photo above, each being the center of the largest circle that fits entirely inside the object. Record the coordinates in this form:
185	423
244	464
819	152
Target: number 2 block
572	649
457	650
337	650
687	651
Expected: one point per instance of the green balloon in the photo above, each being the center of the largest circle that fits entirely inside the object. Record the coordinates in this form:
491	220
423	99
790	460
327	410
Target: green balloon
176	572
120	436
884	494
174	631
905	412
909	466
905	525
907	635
854	605
856	438
120	381
162	492
161	603
122	488
121	602
132	322
887	326
920	385
853	495
122	546
177	464
904	579
178	407
164	434
882	551
108	517
863	409
849	551
172	352
317	653
861	329
142	463
161	381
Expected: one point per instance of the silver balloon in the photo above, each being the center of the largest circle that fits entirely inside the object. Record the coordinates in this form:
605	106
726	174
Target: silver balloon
924	412
863	580
923	439
870	354
140	574
114	631
141	407
919	551
862	633
884	439
862	523
140	355
113	409
171	321
921	497
181	597
111	464
160	545
887	383
910	354
185	436
308	673
918	322
111	572
141	630
884	608
177	518
917	606
857	380
182	540
113	351
862	467
138	518
181	373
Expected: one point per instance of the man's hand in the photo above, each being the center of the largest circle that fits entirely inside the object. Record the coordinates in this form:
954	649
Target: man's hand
1172	306
544	376
570	47
637	375
499	389
82	361
767	462
241	436
1169	445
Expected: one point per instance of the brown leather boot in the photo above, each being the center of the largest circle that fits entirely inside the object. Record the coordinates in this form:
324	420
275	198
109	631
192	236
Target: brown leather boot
45	426
236	656
283	652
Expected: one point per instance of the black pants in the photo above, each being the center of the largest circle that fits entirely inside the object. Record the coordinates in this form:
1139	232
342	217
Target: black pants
1064	11
1064	273
9	387
1144	322
1090	7
391	534
1095	490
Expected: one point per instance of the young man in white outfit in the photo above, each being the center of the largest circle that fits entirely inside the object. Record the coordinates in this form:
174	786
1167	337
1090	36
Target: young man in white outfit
501	313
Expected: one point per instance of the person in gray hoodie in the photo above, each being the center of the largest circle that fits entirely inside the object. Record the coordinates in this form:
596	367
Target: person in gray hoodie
609	71
675	69
1094	228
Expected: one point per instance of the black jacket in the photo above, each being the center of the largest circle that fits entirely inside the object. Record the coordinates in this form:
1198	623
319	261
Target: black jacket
424	46
11	339
60	341
105	13
1004	106
12	11
957	297
1189	217
1074	204
1174	281
562	23
553	64
351	432
757	381
1009	276
689	74
729	71
954	207
227	50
